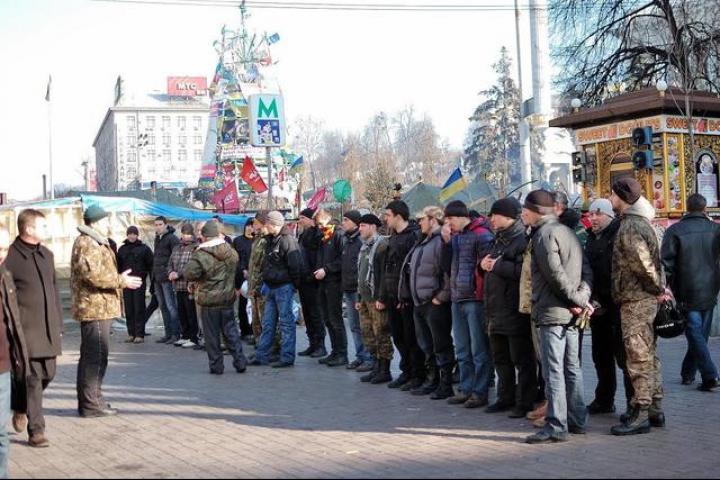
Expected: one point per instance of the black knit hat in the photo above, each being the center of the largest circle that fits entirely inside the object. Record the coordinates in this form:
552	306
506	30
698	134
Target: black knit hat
133	231
628	189
354	216
539	201
507	207
308	213
457	209
370	219
187	229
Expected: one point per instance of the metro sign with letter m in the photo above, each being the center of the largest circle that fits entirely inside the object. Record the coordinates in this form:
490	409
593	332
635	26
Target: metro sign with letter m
267	120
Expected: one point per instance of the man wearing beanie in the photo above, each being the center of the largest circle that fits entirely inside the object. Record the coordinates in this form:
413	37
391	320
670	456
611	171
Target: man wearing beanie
561	287
310	242
510	330
637	287
608	351
282	273
351	252
189	328
243	246
134	255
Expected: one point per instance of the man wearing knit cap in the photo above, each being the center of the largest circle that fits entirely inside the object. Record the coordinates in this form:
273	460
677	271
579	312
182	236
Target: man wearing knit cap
351	252
310	241
608	350
561	288
138	257
638	286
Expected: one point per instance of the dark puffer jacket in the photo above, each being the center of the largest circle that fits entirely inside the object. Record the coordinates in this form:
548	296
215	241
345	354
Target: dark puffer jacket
351	252
467	249
330	257
136	257
283	262
399	246
690	254
429	279
164	246
599	252
502	285
213	266
310	242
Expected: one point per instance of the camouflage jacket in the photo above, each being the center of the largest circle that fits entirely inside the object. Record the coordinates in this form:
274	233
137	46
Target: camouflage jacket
257	257
213	267
96	284
636	271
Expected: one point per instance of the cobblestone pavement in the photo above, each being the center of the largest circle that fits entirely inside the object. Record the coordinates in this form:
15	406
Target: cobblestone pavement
177	421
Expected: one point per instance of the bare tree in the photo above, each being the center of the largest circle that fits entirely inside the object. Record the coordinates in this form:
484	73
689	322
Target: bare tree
308	135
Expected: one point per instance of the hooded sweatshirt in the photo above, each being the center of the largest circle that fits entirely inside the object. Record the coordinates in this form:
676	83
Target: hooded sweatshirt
213	266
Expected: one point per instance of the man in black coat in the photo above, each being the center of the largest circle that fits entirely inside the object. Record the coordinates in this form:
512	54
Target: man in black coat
137	257
243	246
510	330
310	241
165	243
32	267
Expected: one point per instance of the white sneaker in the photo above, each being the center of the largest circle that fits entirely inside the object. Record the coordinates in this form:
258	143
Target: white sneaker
180	343
189	345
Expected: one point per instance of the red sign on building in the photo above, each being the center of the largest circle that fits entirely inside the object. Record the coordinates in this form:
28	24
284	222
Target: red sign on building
187	86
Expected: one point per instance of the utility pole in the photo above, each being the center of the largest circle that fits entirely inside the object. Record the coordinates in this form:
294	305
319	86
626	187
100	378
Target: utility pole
525	154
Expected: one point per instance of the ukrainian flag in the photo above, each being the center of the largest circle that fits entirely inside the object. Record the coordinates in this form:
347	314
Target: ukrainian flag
455	184
298	166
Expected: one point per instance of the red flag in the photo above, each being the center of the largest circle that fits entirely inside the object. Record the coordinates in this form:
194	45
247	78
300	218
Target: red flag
251	176
227	199
317	199
282	176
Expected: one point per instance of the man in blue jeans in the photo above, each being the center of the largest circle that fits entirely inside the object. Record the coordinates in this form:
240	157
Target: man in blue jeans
282	273
165	243
13	353
466	243
690	254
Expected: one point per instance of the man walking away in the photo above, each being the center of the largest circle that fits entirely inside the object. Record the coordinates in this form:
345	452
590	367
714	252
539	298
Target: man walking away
212	268
561	286
137	257
310	242
690	255
165	243
96	298
243	246
190	330
32	267
282	272
510	330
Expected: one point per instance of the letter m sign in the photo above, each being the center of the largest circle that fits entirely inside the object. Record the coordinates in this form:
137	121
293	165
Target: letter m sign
267	120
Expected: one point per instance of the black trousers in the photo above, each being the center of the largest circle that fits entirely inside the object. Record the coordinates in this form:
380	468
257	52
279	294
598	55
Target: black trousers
331	309
402	324
433	325
243	319
187	310
151	308
218	322
516	368
94	351
135	311
40	375
608	352
310	301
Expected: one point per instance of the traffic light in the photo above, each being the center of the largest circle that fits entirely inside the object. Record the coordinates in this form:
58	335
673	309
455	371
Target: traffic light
578	159
642	136
644	159
580	175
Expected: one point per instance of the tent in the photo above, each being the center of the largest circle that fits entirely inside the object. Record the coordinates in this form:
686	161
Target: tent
479	196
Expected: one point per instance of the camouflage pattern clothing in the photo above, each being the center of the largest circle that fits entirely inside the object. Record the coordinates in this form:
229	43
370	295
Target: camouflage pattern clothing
95	282
526	282
257	257
641	346
376	332
258	313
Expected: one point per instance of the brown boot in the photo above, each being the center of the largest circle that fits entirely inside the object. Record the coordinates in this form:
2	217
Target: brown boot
539	413
39	440
19	422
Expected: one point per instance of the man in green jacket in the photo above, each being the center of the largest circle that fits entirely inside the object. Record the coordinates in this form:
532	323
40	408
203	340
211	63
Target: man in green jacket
213	267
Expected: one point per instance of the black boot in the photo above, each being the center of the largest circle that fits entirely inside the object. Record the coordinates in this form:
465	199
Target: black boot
657	416
431	383
639	424
328	359
341	360
414	384
625	417
306	353
401	381
445	390
374	373
384	375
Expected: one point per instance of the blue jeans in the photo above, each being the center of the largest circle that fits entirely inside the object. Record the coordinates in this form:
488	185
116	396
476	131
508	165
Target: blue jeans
354	318
5	414
698	355
278	306
560	350
169	308
472	346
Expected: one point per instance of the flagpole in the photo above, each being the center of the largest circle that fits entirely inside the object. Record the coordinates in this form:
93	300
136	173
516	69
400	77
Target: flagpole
50	176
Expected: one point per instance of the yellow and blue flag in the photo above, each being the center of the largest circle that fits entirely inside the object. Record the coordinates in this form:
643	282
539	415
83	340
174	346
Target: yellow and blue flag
455	184
298	166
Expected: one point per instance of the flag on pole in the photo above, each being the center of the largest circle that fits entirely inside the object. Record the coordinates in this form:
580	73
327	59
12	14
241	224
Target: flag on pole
227	199
252	177
455	184
298	166
49	85
317	199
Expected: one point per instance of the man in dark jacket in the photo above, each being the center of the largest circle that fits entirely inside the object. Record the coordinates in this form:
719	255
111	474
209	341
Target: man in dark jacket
32	267
467	243
429	287
607	341
282	273
690	255
14	363
510	330
561	288
213	267
328	271
310	241
400	310
165	243
137	257
351	252
243	246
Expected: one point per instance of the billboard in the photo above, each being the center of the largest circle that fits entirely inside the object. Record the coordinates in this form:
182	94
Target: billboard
187	86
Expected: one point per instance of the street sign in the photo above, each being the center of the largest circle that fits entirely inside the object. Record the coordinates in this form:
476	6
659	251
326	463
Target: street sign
267	120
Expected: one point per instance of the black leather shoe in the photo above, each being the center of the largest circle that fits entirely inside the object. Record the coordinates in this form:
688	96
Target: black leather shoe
710	386
400	382
107	412
519	412
499	408
308	352
688	381
339	361
319	353
544	437
577	431
328	359
282	365
355	365
596	408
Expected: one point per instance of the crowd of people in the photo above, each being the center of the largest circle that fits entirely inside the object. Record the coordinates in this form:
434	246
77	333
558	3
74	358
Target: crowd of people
463	300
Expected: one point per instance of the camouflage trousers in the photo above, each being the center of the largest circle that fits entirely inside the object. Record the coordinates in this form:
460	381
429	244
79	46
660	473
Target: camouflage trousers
641	348
376	332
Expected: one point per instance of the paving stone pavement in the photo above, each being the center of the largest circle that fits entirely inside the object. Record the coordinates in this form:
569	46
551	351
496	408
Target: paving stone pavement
177	421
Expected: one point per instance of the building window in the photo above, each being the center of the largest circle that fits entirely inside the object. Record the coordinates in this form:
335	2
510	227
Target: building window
151	139
131	174
197	122
183	140
166	122
167	140
167	155
198	156
151	155
132	157
152	171
150	122
132	141
183	156
182	122
167	167
131	123
198	140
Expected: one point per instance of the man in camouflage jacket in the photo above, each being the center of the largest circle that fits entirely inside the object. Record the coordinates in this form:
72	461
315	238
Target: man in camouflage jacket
257	256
